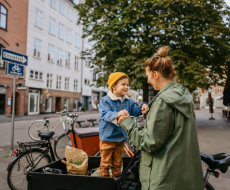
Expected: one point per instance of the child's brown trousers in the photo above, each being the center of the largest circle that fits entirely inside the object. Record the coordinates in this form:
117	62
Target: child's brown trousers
111	155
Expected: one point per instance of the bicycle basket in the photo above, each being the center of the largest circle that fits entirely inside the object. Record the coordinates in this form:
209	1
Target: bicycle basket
41	144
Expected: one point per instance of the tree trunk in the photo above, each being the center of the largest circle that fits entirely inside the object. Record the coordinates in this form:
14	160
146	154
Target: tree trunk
145	92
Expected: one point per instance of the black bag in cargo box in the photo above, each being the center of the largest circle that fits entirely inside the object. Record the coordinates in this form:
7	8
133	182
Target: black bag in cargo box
38	180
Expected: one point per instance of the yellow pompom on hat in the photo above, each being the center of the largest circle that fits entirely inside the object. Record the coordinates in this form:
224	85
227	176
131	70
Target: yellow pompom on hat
113	77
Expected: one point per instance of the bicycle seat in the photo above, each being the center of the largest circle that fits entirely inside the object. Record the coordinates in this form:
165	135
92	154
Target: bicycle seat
79	121
46	117
217	161
46	136
91	120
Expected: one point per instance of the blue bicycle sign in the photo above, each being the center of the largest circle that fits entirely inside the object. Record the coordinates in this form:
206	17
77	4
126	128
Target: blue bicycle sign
15	69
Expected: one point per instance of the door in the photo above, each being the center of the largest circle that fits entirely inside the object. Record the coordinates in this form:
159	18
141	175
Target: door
33	103
2	104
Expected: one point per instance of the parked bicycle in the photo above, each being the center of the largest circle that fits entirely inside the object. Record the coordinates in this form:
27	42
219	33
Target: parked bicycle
29	156
64	139
45	126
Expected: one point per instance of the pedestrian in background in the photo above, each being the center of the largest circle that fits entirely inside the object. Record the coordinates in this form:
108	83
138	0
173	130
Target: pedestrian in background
79	106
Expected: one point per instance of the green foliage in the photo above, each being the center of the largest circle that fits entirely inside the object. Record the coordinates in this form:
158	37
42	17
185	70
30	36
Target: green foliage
127	32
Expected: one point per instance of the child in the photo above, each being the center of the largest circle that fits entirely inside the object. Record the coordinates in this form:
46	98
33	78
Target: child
111	135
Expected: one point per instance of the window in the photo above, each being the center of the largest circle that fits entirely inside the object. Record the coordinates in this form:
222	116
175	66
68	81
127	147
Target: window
62	7
77	41
50	53
94	76
61	31
87	81
2	63
59	57
219	89
69	16
67	59
52	26
3	16
75	82
58	83
76	2
68	38
75	104
76	62
49	80
37	48
77	20
66	83
87	46
53	3
35	75
38	18
66	103
87	63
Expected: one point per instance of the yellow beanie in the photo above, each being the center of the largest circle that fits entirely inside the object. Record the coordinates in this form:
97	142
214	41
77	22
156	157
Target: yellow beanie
113	77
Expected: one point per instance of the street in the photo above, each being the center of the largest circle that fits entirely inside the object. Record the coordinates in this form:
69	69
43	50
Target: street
213	138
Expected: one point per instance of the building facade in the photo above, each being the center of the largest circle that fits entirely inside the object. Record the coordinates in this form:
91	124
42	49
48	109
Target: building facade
13	36
53	45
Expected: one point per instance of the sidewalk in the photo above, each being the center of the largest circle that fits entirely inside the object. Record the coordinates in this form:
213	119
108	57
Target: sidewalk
213	137
5	119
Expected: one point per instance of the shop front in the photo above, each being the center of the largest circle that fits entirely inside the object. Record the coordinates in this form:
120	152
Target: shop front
42	101
3	90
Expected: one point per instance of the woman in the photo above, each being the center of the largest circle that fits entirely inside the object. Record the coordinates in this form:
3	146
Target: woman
170	155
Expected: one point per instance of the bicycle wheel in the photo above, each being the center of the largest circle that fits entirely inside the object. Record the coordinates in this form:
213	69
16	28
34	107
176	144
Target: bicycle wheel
59	146
16	177
208	186
34	127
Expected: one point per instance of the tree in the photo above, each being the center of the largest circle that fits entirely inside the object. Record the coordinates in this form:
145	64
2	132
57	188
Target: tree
127	32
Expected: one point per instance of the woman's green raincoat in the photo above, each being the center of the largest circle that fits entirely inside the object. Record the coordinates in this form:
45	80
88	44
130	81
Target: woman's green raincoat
170	155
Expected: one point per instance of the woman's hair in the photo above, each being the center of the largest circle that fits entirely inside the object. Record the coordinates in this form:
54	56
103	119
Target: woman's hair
161	63
123	77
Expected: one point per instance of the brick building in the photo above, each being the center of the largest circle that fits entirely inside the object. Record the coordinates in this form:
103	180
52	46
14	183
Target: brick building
13	36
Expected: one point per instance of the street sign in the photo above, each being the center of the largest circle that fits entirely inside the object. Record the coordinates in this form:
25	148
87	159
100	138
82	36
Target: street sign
15	69
11	56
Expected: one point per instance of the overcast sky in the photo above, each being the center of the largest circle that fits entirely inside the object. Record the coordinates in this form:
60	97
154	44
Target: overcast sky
228	2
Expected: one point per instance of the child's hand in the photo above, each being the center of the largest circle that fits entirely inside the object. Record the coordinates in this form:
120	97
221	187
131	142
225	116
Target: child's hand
144	109
122	115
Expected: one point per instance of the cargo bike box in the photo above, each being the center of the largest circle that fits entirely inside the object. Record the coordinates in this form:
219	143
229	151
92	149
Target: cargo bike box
38	180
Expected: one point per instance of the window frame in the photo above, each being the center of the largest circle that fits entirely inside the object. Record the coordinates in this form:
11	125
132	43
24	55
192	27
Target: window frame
51	4
58	82
49	50
76	63
52	25
58	54
36	48
60	7
69	13
36	16
68	35
77	40
75	85
40	73
5	14
61	28
67	83
49	80
67	59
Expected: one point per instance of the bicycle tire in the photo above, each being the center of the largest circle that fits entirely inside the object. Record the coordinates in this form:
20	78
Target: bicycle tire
16	177
33	129
208	186
60	143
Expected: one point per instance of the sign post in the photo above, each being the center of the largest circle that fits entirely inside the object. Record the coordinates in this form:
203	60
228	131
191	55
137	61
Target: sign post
17	69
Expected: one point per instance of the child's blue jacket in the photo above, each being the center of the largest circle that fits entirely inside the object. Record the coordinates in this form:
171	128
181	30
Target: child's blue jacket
109	107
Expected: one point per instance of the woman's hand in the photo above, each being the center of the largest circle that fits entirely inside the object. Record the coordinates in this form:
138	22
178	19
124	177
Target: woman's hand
122	115
144	109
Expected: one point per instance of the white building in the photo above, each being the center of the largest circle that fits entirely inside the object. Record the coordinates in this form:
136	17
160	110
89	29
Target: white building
53	74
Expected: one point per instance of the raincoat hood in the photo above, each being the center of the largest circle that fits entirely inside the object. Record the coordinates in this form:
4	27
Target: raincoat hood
178	97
